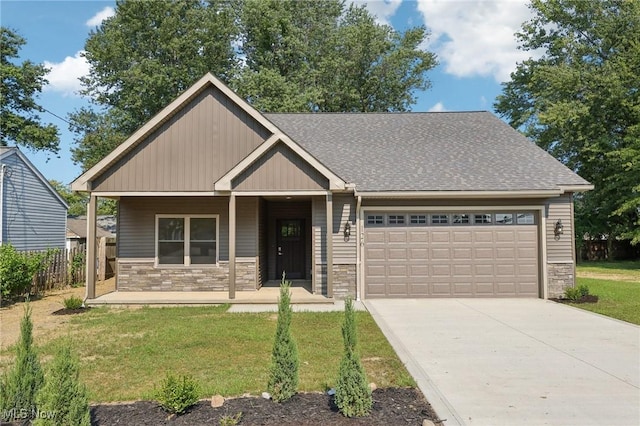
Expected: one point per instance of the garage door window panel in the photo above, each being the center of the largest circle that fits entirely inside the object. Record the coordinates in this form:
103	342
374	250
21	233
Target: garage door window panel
395	219
439	219
418	219
482	219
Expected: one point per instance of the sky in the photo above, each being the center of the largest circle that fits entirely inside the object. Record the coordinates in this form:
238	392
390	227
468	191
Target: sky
473	39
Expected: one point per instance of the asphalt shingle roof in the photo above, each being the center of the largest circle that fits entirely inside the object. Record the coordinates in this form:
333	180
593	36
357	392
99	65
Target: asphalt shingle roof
444	151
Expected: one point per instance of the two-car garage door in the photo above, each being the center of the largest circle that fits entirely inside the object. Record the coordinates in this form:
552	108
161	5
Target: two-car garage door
451	255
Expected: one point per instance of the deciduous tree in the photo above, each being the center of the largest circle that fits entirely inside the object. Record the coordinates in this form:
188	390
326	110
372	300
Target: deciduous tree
581	101
21	83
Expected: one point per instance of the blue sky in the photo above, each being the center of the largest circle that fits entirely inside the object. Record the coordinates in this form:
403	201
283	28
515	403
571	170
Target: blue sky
473	40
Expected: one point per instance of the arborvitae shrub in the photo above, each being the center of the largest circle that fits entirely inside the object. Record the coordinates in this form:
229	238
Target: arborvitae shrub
283	374
63	400
177	394
353	396
20	384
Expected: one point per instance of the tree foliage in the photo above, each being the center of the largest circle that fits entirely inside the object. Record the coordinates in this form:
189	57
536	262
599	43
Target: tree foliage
322	56
20	384
280	55
581	102
21	83
283	374
63	399
353	396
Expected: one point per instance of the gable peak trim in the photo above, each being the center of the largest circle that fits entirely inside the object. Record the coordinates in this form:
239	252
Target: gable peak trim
83	182
224	183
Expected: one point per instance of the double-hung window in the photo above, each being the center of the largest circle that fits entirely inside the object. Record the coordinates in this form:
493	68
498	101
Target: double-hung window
187	239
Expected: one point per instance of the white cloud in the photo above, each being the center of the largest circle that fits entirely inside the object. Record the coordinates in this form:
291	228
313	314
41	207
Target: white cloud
97	19
64	76
383	10
476	38
439	107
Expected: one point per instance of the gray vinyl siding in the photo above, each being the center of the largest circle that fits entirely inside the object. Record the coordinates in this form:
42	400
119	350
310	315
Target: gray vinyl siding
561	249
136	221
34	217
319	219
280	169
190	151
246	227
344	209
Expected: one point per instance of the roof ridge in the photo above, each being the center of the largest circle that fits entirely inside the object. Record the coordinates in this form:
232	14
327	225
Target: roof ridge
379	112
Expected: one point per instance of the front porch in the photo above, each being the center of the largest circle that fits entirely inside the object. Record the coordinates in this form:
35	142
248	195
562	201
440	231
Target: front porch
267	294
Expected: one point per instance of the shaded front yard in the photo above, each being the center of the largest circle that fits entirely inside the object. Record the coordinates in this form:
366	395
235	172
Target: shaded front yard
126	352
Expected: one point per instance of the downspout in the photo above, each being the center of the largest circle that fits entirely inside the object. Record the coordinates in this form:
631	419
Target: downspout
358	250
2	171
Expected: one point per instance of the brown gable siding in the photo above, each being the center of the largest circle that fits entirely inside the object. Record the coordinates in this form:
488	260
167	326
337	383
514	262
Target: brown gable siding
190	151
280	169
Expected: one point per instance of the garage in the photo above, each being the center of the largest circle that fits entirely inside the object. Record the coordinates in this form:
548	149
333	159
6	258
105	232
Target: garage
451	254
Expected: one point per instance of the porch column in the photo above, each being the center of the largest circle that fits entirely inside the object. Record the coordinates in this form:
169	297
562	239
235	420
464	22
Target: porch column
91	248
232	246
329	245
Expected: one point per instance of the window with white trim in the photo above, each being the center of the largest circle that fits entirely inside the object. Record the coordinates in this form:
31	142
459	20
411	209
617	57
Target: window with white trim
418	219
375	219
439	219
187	239
394	219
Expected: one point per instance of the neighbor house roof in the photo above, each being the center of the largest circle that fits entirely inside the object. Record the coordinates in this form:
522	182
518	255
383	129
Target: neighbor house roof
77	227
7	151
440	151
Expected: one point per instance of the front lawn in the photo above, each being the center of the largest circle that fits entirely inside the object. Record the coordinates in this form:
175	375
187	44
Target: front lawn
125	353
617	284
617	270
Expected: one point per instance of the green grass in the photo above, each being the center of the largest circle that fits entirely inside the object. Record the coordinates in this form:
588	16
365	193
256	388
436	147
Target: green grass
125	353
626	270
617	299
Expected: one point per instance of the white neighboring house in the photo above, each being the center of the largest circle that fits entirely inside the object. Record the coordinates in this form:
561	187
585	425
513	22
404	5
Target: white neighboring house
33	216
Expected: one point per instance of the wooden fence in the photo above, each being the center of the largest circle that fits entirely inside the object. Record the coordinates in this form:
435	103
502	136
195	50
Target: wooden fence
68	267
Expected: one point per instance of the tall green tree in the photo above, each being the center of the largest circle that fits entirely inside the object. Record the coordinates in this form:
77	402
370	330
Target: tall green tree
280	55
77	201
323	56
581	101
21	83
141	59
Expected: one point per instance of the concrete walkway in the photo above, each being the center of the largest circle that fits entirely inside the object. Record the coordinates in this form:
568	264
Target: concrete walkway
516	361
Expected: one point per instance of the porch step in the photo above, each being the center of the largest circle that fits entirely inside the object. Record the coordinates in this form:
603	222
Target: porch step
262	296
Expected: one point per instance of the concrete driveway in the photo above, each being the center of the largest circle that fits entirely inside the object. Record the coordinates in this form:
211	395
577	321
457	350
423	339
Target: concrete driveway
516	361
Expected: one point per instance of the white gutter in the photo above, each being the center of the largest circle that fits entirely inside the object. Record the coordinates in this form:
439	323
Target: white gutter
462	194
2	171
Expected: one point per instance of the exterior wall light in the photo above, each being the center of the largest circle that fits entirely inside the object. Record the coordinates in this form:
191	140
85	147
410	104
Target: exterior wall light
558	229
347	231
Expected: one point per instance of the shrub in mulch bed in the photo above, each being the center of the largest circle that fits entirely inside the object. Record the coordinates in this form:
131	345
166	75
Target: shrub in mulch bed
392	406
589	298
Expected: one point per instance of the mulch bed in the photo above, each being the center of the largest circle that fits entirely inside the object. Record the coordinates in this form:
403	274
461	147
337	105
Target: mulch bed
590	298
393	406
65	311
